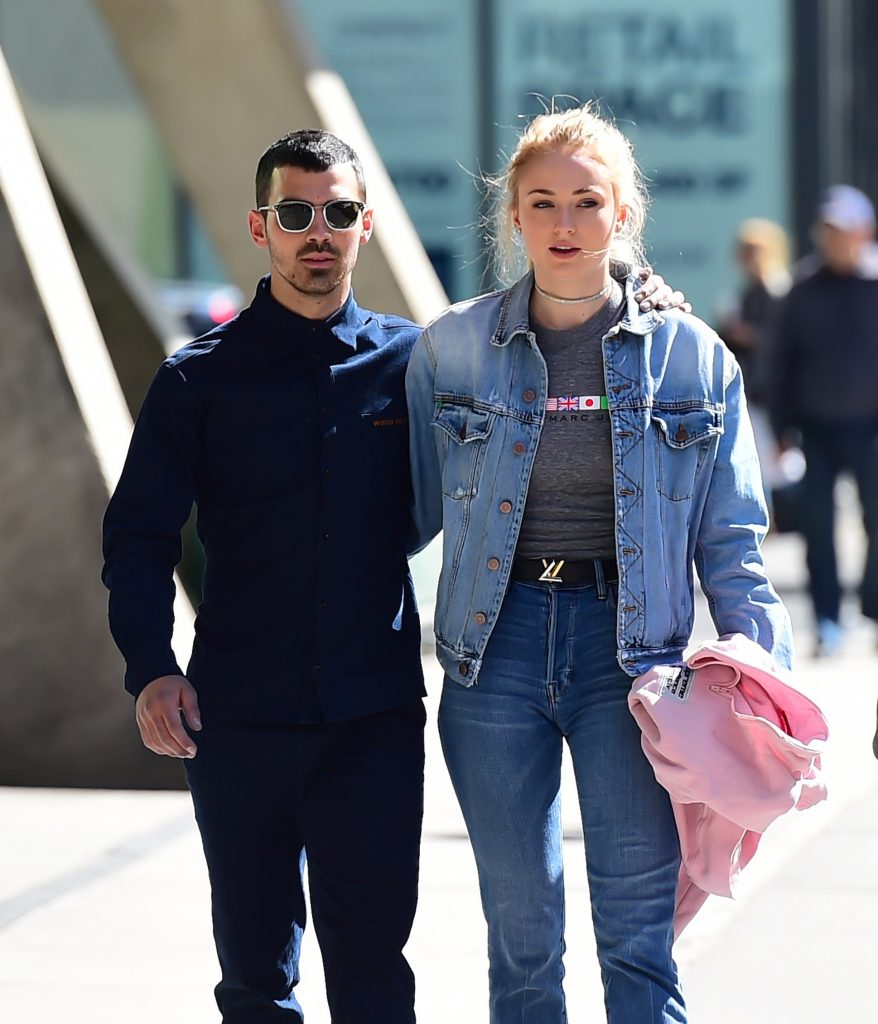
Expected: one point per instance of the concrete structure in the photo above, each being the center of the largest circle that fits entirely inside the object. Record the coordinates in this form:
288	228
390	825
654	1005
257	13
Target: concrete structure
64	427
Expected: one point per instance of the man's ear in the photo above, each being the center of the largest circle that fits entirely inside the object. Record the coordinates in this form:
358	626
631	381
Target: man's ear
367	215
256	224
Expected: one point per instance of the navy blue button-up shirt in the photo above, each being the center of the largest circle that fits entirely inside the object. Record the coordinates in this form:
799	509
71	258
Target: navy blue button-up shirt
291	437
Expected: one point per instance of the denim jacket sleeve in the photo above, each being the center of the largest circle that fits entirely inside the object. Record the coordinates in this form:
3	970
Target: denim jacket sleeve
426	474
733	524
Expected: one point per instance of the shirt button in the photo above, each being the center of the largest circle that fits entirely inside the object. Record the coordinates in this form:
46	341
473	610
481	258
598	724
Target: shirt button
326	536
327	472
480	618
493	564
505	507
463	669
518	448
530	395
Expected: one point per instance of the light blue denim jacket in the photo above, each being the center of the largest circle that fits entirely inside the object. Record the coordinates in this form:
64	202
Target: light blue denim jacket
688	487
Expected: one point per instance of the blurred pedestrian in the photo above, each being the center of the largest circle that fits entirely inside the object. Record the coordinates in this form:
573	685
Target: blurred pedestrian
580	457
823	390
287	427
747	323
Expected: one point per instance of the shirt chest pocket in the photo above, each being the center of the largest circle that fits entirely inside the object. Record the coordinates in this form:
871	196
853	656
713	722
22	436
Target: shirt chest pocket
462	434
682	438
374	437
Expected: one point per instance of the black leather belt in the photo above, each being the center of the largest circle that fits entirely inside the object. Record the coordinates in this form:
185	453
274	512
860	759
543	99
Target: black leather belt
563	570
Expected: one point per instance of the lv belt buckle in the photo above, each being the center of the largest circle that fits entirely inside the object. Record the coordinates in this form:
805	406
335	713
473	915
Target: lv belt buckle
551	571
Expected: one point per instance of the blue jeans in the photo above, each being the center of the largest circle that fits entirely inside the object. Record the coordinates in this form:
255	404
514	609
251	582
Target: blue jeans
550	674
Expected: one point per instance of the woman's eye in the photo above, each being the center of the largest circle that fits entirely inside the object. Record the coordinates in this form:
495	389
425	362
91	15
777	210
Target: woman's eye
542	204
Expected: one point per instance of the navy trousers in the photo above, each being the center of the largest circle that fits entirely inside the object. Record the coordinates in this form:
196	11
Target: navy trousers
830	449
349	796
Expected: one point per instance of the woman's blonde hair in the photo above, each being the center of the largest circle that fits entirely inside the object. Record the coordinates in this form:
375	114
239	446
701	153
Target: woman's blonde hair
577	128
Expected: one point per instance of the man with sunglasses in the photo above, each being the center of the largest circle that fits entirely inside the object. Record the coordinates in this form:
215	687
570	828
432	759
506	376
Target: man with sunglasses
300	717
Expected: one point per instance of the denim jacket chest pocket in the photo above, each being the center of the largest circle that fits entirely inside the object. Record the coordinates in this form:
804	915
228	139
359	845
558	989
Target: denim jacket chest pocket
462	432
682	438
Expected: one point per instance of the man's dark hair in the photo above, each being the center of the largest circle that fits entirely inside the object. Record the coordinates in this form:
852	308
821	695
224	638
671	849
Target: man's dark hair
311	149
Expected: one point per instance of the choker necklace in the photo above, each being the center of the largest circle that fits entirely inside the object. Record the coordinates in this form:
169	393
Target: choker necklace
572	302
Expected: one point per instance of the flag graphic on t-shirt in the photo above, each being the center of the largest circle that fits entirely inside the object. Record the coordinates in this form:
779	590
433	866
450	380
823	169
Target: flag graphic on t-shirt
577	403
589	401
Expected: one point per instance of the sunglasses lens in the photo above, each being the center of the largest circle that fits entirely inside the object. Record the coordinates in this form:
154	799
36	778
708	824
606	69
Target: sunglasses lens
341	214
294	216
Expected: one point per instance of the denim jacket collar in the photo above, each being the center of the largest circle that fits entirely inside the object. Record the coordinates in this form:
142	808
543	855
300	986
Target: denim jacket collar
513	317
514	314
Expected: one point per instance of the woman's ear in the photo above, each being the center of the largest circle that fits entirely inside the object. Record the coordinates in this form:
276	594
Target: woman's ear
621	218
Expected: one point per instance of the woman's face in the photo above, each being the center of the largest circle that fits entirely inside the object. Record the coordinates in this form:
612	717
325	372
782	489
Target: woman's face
567	214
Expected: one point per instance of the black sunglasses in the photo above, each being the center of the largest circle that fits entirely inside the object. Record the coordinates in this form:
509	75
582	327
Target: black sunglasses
297	215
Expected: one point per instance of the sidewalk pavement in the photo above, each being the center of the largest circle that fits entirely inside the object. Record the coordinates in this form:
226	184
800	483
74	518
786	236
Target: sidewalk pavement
104	906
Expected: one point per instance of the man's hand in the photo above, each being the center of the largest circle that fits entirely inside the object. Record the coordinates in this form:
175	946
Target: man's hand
158	716
655	293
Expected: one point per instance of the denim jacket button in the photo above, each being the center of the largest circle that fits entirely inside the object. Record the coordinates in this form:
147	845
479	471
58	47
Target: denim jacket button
506	507
463	669
530	395
518	448
493	564
480	618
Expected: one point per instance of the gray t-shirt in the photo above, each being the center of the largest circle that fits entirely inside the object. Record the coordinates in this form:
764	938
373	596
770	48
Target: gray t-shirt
570	509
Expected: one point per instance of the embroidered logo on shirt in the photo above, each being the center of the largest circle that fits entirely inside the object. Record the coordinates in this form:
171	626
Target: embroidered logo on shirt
395	421
676	681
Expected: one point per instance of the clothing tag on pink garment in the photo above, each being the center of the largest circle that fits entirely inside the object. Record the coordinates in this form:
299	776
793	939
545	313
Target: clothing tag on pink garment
676	681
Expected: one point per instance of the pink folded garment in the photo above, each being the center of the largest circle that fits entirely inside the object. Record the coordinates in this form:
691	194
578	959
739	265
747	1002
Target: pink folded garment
735	745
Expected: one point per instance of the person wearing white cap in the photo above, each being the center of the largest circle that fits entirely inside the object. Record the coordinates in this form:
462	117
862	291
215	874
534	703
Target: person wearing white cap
845	230
824	387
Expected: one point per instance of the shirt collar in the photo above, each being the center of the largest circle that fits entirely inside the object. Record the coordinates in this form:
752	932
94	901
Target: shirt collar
344	324
514	318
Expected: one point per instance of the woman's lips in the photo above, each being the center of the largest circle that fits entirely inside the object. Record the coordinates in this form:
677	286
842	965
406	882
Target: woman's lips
564	252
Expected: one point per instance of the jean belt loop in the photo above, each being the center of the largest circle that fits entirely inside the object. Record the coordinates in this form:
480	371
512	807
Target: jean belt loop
600	579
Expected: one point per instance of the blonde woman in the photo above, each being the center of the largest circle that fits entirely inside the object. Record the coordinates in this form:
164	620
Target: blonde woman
749	322
580	456
762	253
